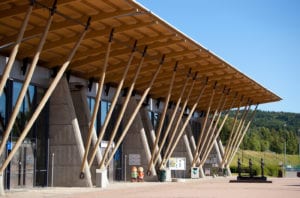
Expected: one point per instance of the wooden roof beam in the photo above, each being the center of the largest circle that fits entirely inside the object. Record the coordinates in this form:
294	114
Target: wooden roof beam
19	9
90	35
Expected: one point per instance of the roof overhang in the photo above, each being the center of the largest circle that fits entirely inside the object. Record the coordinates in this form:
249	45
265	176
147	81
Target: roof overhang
131	22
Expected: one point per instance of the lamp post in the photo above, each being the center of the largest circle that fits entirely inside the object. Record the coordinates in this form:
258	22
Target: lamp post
284	162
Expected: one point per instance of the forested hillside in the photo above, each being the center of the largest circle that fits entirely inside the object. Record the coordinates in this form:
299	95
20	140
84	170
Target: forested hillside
269	131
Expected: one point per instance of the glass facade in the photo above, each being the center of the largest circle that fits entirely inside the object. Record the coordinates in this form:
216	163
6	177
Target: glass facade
102	112
29	165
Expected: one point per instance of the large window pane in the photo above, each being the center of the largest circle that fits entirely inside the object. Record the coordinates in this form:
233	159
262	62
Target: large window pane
2	113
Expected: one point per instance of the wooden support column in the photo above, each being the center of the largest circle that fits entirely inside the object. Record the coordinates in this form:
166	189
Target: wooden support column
44	100
161	122
213	124
137	109
97	105
15	50
118	122
28	78
195	156
217	133
179	119
232	133
184	126
113	104
239	129
242	135
171	120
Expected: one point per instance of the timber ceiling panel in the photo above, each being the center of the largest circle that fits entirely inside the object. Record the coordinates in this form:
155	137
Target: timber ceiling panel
130	22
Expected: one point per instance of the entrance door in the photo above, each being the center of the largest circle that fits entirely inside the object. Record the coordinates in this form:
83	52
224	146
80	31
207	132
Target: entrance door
28	167
22	167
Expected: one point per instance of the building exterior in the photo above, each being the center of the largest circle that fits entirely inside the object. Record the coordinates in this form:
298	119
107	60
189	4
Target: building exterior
120	89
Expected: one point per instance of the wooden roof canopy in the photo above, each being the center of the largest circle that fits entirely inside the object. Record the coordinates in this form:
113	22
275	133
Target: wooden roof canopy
131	22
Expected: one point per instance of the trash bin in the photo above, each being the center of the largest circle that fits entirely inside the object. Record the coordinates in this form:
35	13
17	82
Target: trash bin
162	175
195	172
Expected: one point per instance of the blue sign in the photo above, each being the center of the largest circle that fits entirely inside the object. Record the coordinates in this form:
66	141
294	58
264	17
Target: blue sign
9	146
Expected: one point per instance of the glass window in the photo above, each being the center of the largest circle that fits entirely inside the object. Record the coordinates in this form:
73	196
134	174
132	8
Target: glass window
25	111
91	104
105	105
2	112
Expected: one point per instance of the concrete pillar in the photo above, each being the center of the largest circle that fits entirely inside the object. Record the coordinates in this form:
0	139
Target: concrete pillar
136	142
217	149
147	149
188	148
201	172
65	140
2	192
151	133
83	114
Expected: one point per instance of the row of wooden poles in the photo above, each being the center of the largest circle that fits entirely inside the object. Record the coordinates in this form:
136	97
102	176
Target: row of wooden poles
28	77
208	134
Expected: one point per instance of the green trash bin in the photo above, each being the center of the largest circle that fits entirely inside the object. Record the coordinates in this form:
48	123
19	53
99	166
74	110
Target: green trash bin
162	175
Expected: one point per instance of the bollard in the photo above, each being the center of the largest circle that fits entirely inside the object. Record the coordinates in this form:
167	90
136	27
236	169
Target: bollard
52	169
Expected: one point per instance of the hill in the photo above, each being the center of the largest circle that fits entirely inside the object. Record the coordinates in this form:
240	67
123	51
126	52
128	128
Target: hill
272	160
270	131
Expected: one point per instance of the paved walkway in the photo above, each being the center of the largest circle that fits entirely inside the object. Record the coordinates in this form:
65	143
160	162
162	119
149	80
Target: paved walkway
204	188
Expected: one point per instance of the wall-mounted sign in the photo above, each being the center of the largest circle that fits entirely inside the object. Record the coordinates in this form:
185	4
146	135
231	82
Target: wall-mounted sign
177	163
134	159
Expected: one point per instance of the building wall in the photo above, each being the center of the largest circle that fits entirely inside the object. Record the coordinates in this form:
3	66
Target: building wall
65	140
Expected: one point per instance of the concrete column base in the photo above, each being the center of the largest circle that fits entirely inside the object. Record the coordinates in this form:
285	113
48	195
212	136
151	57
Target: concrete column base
101	178
2	192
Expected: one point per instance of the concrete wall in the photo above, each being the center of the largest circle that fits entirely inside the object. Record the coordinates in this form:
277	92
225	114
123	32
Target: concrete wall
65	140
84	115
133	145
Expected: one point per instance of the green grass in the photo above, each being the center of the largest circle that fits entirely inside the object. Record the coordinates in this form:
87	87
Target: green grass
272	161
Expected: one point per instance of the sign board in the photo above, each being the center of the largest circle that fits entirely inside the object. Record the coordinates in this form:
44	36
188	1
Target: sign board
104	144
134	159
207	171
177	163
9	145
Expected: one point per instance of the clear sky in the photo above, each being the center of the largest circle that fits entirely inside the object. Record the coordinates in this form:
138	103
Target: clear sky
261	38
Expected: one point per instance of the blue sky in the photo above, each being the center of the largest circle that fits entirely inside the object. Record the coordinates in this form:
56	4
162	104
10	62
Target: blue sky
261	38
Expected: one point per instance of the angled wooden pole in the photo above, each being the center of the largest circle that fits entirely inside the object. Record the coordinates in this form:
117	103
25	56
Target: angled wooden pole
15	49
208	134
216	135
113	104
167	131
137	109
184	126
179	119
44	100
232	132
239	129
243	134
161	122
121	113
120	116
27	80
97	104
220	108
195	155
